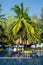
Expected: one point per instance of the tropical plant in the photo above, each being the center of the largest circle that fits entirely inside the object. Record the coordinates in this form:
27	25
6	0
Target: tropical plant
23	27
37	27
3	36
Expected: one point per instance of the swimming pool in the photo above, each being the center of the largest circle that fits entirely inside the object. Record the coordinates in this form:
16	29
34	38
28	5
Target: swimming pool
22	61
9	58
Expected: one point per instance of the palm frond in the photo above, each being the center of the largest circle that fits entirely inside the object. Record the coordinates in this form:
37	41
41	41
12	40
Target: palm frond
34	21
16	9
21	8
26	10
24	21
30	28
16	28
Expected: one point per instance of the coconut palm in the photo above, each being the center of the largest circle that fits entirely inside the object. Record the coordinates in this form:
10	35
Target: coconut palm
23	27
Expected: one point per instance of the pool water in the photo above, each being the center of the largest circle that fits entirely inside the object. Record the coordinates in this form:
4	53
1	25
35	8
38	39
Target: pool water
12	59
22	61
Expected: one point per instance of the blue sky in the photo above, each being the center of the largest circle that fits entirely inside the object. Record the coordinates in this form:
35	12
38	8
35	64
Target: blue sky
35	6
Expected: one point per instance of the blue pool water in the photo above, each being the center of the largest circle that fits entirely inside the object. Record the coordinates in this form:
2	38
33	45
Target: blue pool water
32	60
22	61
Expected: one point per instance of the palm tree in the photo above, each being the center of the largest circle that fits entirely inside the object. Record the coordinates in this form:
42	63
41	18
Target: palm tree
3	37
23	27
37	27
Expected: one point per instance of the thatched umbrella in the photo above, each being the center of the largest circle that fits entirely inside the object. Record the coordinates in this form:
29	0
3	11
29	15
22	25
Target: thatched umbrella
19	41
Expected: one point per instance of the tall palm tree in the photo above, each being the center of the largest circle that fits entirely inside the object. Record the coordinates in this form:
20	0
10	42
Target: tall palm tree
23	25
